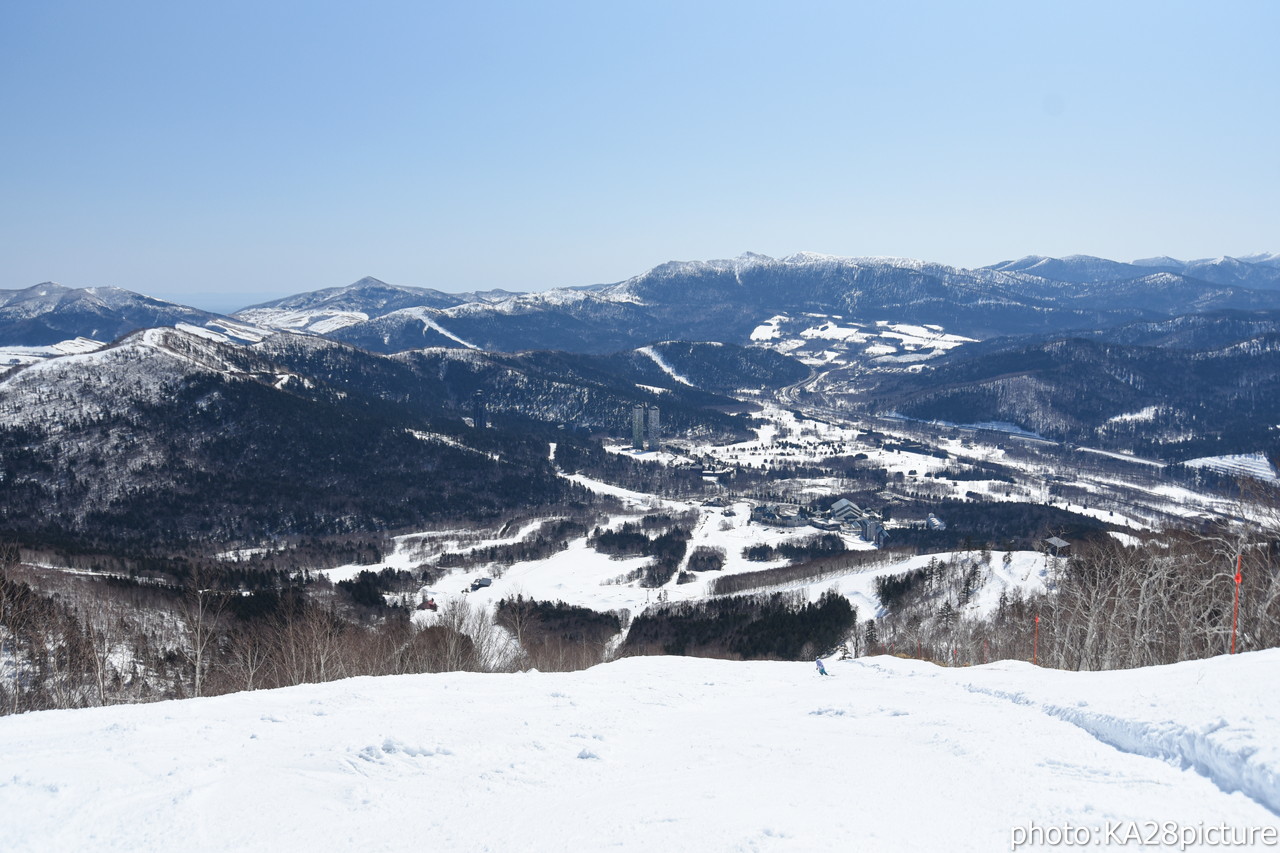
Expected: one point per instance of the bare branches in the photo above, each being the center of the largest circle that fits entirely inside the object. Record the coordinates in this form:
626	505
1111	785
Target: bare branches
200	610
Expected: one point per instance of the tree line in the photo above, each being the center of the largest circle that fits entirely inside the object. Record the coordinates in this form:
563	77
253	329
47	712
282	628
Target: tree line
1108	606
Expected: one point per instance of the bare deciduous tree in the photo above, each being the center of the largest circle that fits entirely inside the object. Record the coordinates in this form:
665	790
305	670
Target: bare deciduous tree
200	610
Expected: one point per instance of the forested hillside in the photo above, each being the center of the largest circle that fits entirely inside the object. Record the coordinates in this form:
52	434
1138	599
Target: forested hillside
1164	402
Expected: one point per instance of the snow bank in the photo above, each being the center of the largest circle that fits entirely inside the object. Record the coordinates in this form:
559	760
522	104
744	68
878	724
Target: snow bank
1198	716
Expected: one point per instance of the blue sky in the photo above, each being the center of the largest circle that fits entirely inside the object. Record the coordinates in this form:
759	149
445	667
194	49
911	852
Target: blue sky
221	154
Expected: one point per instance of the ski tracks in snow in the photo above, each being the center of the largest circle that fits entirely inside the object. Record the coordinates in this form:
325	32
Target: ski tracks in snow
1230	744
1223	754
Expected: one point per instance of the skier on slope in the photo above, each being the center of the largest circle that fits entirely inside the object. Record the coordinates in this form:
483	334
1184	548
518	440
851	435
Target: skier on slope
822	670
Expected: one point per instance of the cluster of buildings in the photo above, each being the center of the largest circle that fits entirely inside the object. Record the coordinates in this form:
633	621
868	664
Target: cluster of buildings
780	516
843	515
646	427
867	524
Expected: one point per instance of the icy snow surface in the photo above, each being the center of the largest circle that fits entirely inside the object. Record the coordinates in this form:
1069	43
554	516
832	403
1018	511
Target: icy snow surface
672	754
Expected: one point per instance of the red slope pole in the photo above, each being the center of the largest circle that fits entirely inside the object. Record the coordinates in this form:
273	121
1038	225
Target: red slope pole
1235	608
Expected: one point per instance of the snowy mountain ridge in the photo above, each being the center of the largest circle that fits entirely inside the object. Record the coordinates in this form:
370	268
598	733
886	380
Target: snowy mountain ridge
723	299
146	366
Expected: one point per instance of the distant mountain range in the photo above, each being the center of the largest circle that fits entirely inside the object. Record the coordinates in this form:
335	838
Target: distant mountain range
1261	271
722	300
726	300
126	420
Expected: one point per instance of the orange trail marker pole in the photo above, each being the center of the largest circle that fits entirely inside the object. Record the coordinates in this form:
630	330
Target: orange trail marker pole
1235	608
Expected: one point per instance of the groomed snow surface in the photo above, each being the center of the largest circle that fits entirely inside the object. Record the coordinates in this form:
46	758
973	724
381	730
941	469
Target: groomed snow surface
668	754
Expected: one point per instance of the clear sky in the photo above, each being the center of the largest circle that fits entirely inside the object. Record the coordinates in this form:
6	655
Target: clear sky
225	153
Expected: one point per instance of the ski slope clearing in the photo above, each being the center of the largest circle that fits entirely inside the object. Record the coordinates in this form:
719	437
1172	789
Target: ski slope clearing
664	365
656	753
1255	465
11	355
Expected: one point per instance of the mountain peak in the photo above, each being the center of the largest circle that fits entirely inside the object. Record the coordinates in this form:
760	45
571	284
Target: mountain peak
1160	261
370	281
44	288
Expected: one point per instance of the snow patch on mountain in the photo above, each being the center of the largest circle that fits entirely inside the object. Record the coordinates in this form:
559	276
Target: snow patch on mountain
1253	465
428	318
437	438
1141	416
768	330
665	365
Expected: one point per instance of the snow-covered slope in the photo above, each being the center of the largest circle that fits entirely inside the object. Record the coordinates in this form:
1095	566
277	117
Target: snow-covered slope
1255	465
673	754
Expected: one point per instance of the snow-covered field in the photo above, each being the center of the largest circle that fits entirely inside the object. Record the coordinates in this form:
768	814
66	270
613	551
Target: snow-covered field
827	339
660	754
